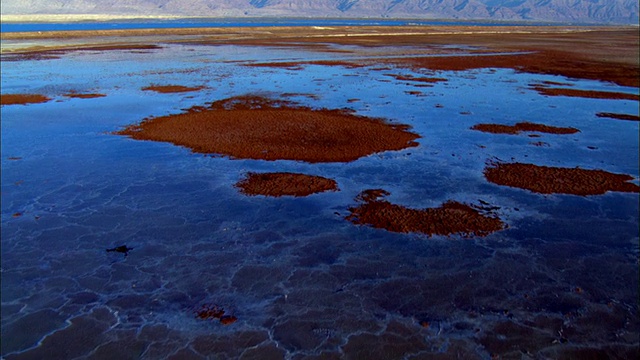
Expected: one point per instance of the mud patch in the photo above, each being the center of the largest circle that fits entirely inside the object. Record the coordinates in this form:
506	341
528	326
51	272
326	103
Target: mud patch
429	80
588	94
449	219
84	96
253	127
165	89
285	184
215	312
619	116
51	54
523	127
555	180
22	99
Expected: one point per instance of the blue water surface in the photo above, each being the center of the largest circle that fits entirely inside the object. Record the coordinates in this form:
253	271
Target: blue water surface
304	282
234	22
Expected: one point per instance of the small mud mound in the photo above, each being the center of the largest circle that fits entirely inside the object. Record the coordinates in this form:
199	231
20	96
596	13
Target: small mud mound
523	127
74	95
554	180
252	127
450	218
619	116
165	89
588	94
281	184
215	312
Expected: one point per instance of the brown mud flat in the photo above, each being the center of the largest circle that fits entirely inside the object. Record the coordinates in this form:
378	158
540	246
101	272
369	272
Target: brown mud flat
543	62
536	53
285	184
589	94
523	127
451	218
606	53
618	116
597	53
84	96
22	99
166	89
49	54
253	127
554	180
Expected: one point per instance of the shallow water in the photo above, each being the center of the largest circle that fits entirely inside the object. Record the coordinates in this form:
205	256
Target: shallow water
303	281
237	22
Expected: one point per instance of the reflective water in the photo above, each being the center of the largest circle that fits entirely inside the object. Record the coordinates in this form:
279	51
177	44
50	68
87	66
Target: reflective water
302	281
237	22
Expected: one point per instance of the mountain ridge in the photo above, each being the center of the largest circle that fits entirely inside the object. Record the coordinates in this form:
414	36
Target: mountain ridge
585	11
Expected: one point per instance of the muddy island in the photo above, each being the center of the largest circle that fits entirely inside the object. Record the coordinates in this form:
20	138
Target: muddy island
167	89
556	180
450	218
523	127
253	127
282	184
22	99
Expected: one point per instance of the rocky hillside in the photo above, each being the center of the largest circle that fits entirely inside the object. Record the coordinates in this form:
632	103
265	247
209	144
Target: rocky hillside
593	11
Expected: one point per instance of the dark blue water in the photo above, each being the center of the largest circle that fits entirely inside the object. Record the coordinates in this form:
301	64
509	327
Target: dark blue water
561	282
235	22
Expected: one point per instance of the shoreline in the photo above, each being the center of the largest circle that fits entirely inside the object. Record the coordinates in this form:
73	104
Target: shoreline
336	30
608	53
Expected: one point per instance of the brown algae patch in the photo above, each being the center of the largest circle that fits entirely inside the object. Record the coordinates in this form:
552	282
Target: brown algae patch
450	218
254	127
22	99
523	127
165	89
281	184
588	94
555	180
619	116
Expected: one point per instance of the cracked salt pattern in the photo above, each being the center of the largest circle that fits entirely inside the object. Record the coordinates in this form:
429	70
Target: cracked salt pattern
302	281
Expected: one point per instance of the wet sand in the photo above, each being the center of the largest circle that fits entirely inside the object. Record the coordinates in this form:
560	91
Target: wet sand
523	127
285	184
254	127
22	99
555	180
451	218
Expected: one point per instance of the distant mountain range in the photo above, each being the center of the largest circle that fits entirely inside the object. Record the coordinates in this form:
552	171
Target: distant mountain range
590	11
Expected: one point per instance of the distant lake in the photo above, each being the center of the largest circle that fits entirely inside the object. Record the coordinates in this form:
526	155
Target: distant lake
237	22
